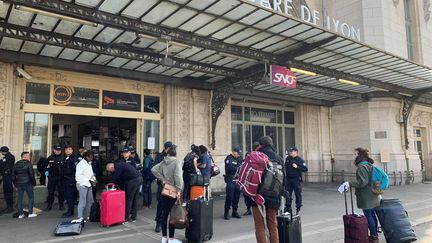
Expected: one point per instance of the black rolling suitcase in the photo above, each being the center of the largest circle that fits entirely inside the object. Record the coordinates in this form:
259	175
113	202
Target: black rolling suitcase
395	222
289	228
200	215
67	228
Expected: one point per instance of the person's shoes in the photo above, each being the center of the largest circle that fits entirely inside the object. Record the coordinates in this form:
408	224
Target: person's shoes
21	216
297	211
248	212
132	219
67	214
226	214
3	211
174	241
8	210
61	207
158	228
373	239
235	214
164	240
33	215
48	208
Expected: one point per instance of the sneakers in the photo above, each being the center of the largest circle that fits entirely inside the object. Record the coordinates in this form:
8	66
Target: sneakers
164	240
21	216
174	241
33	215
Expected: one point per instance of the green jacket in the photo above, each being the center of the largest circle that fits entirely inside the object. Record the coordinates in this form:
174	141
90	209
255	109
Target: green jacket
365	197
169	171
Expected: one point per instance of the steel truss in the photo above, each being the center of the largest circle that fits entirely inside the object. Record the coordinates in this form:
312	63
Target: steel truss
116	50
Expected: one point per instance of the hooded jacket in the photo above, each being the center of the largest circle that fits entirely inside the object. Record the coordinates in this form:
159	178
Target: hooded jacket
169	171
22	173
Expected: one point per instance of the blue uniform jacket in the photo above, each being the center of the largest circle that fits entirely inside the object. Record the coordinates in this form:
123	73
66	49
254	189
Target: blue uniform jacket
295	173
231	166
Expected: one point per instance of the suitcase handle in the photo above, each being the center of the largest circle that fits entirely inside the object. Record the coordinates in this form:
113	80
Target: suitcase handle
346	203
110	187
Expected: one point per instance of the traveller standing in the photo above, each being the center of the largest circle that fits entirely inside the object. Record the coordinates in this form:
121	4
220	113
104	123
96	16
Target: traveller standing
67	181
127	175
148	178
6	166
190	166
135	157
232	164
24	181
53	173
169	171
294	167
159	157
204	163
272	204
367	200
83	176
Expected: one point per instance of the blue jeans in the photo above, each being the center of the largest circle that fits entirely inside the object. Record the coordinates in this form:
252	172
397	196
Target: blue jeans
372	220
147	193
29	190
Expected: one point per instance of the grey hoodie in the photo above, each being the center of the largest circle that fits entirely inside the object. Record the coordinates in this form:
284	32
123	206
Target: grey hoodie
169	171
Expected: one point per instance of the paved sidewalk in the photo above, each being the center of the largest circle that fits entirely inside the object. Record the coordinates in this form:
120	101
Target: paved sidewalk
321	219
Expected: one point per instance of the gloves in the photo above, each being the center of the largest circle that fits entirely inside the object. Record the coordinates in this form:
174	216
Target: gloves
46	173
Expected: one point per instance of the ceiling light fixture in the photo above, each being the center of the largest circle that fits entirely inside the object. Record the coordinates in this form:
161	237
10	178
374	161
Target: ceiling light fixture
405	94
297	70
348	82
54	15
237	57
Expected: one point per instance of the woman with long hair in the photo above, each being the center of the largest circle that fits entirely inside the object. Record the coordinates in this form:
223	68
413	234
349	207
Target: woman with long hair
367	200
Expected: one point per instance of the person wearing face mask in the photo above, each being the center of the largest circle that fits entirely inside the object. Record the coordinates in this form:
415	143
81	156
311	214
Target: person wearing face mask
67	181
83	176
53	173
294	167
6	166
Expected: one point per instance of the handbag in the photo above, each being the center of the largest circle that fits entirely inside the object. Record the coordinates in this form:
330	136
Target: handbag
198	180
93	181
169	191
215	170
178	216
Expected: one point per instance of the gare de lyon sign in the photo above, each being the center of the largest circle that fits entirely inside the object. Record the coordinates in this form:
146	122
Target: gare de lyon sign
286	7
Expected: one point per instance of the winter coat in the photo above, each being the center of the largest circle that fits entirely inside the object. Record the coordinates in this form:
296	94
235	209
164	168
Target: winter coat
22	173
363	189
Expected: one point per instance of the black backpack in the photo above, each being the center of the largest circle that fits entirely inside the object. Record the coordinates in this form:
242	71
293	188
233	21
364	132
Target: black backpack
272	183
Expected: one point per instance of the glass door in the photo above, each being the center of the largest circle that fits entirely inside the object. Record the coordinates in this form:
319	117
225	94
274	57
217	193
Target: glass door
36	135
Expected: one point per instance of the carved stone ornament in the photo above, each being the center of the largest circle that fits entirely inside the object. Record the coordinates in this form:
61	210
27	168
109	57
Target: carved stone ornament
426	9
395	2
421	118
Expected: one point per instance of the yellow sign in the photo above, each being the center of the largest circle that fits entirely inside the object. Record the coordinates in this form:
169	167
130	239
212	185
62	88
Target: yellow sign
63	95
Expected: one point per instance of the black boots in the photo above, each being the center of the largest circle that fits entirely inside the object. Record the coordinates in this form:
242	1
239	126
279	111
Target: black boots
235	214
8	209
68	214
48	207
297	210
248	212
61	207
226	214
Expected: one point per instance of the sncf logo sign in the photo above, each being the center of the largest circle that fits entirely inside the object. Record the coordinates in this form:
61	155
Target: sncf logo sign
283	77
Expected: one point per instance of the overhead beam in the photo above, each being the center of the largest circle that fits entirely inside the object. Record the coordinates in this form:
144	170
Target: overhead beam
288	98
116	50
305	48
138	26
30	59
356	78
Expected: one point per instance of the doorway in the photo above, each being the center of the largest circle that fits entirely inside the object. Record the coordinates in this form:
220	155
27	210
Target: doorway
105	136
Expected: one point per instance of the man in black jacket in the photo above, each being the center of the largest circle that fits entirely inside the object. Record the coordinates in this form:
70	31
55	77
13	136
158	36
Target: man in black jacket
294	167
6	166
24	181
232	163
68	183
55	162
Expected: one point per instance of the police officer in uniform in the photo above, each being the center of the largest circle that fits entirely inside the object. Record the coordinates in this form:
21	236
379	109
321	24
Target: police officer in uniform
232	163
6	166
294	167
67	181
135	158
53	173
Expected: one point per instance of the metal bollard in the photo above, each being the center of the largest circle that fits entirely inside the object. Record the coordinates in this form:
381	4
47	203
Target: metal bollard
327	176
401	178
412	176
343	175
395	178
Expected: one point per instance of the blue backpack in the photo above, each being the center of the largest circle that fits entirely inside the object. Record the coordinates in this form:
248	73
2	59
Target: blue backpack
379	179
146	171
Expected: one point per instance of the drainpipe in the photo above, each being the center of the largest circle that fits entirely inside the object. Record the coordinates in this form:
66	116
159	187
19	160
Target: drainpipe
332	159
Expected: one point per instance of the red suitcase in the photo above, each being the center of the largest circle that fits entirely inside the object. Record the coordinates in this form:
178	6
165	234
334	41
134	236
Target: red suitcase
113	206
355	226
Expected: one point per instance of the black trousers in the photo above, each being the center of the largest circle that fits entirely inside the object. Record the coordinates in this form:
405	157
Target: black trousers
53	184
8	190
293	184
232	196
132	195
159	204
167	203
68	189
